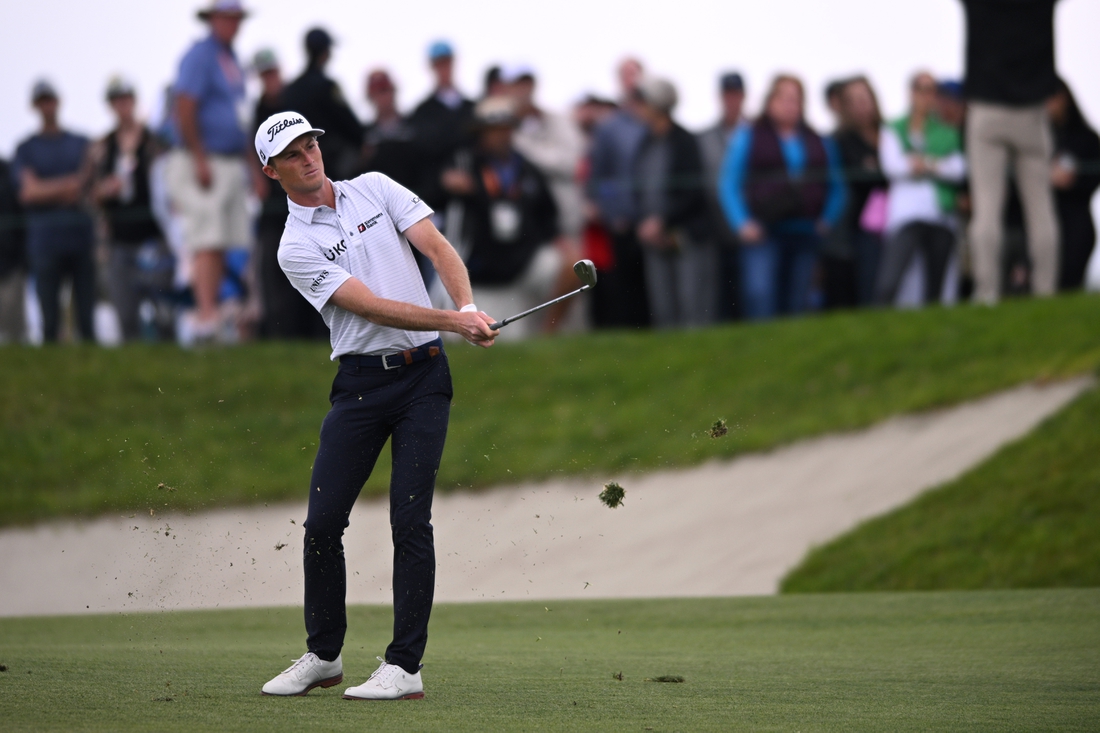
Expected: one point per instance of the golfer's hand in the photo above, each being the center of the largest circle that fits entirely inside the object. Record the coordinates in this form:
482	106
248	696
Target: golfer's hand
474	327
750	233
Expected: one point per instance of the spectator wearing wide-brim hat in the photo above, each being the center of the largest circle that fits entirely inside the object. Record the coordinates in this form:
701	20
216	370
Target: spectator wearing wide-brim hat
206	173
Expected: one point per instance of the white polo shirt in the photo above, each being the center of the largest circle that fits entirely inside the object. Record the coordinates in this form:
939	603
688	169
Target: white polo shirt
363	238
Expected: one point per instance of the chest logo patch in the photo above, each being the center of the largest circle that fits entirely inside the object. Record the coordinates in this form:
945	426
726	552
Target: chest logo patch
369	223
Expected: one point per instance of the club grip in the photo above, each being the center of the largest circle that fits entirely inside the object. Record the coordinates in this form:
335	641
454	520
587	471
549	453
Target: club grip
495	326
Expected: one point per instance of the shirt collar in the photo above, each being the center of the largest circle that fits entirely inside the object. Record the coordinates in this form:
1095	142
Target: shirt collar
306	214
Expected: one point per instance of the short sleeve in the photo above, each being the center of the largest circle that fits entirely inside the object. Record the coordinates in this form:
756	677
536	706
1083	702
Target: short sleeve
404	207
192	76
315	277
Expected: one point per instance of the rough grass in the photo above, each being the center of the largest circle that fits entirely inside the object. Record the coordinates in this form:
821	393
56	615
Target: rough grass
87	431
1026	518
1007	660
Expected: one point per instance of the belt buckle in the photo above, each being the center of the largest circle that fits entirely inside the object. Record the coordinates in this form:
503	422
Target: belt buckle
386	362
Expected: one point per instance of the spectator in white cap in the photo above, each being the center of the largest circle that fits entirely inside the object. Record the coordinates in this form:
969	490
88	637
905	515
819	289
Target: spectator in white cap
347	250
207	175
681	262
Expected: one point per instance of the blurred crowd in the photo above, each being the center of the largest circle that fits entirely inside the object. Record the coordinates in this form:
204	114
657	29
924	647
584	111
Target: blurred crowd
171	231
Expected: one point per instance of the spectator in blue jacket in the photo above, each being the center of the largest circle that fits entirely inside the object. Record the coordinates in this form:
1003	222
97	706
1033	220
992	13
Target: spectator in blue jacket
782	188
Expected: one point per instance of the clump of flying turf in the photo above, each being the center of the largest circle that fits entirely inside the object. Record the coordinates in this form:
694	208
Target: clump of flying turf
666	678
612	494
718	429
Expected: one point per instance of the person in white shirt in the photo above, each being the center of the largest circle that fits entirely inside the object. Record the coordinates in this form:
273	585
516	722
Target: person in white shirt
346	248
922	157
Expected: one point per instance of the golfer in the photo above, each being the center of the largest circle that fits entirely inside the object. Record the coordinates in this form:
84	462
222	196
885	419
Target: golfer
346	249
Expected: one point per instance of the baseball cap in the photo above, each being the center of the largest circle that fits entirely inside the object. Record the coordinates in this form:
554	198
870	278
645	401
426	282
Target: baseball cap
225	7
280	130
657	92
43	89
440	50
951	89
512	73
318	40
496	112
731	82
379	81
119	86
265	60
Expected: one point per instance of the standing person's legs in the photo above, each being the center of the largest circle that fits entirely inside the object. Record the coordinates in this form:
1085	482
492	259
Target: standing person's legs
697	281
1077	232
1031	136
868	254
759	279
937	242
352	436
988	157
46	268
83	274
660	285
122	273
800	252
12	317
897	252
631	302
419	433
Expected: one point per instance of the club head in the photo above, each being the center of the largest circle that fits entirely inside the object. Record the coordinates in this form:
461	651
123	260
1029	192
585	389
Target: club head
586	271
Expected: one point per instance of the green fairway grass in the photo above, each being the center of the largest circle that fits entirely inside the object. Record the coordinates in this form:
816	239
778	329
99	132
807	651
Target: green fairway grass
88	431
1002	660
1028	517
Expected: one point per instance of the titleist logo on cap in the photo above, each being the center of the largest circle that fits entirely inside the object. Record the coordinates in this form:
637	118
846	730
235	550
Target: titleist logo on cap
282	125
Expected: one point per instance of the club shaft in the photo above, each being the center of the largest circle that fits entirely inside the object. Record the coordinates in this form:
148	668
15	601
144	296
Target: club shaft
537	308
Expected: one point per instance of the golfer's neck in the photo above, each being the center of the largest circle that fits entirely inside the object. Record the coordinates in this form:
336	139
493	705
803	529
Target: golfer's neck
324	196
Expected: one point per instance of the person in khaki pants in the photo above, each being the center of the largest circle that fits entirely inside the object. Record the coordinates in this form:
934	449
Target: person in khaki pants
1009	75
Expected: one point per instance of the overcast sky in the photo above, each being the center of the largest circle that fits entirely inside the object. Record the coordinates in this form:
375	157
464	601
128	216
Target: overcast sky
574	45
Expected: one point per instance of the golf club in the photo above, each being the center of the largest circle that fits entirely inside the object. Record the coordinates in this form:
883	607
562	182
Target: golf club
584	269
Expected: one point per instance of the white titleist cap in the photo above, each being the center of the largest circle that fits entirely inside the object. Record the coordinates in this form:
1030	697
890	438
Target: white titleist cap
280	130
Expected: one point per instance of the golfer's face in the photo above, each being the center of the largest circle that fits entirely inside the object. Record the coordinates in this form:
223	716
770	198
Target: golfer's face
300	167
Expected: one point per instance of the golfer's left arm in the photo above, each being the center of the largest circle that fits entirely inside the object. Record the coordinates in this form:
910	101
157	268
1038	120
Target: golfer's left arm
448	265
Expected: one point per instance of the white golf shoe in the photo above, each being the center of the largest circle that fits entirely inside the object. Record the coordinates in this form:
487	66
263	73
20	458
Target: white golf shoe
389	682
306	673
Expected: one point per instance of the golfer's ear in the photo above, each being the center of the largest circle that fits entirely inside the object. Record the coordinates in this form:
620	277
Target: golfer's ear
270	172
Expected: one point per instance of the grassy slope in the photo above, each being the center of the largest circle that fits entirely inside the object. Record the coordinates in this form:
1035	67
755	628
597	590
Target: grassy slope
87	431
934	661
1027	517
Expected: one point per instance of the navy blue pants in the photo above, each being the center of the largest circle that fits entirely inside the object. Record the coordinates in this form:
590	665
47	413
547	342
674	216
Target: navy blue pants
369	405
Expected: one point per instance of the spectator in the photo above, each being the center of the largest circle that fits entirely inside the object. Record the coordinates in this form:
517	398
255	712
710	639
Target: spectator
285	314
681	262
713	144
622	299
1009	75
390	141
782	189
923	159
834	92
1075	177
13	260
442	124
865	218
550	141
207	174
951	103
139	265
52	169
494	86
509	219
320	100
